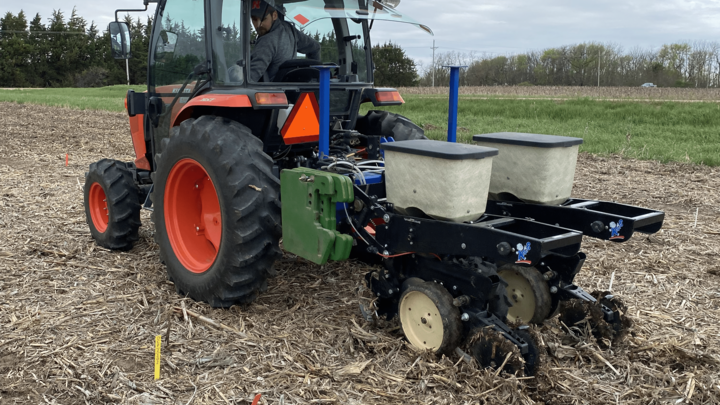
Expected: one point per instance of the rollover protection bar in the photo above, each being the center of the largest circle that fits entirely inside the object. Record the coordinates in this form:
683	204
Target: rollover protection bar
598	219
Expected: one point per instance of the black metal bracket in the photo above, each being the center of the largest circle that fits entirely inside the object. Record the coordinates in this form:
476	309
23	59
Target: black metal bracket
599	219
499	239
490	320
574	292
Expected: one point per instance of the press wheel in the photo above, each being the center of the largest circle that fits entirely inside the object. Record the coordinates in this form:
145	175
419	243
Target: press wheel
528	292
428	317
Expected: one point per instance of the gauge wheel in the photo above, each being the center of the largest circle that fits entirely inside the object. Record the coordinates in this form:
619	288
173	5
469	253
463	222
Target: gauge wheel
429	319
528	292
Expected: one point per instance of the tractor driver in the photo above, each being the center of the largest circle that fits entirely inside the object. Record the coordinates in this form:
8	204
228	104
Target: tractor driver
278	41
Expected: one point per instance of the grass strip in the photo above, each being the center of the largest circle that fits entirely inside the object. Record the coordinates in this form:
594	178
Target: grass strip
655	130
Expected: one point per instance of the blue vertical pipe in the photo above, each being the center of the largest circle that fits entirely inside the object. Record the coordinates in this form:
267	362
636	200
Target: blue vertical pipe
324	143
453	111
452	115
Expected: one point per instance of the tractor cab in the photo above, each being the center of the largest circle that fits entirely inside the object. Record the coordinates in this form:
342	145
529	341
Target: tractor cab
206	57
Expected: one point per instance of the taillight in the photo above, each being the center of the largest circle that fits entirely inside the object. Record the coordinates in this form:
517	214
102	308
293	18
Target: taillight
274	99
389	97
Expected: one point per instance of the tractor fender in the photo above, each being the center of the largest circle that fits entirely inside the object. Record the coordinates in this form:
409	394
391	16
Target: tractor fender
211	100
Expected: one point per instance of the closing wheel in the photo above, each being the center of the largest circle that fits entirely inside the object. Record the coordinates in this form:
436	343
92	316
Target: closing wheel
217	211
528	292
578	313
428	317
532	357
491	349
112	206
620	324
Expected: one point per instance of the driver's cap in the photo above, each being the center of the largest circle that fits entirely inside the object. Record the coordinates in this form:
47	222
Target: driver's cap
258	8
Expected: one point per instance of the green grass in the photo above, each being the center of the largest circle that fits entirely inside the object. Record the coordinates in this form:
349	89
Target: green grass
104	98
664	131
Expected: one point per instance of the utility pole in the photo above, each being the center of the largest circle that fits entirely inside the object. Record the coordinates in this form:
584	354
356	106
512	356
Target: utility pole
599	53
433	63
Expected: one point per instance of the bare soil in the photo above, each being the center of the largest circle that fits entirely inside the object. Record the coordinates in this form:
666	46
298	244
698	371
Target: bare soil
78	322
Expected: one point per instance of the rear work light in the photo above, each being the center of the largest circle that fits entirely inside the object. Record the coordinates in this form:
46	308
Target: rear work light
389	97
271	99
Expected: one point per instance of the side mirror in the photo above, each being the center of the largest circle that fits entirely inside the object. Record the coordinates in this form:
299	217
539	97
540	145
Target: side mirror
119	40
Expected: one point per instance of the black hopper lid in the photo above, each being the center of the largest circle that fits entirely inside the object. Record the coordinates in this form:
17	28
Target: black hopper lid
439	149
535	140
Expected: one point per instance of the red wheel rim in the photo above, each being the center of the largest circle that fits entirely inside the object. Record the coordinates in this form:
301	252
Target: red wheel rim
192	215
98	208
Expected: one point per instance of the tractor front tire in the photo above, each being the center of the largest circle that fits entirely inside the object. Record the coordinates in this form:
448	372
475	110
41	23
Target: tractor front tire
112	204
387	124
217	211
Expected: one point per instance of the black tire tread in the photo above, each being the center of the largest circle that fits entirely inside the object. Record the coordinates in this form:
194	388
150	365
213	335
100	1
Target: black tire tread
251	219
123	199
385	123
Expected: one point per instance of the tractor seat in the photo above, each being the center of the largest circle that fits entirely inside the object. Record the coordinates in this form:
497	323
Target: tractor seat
298	70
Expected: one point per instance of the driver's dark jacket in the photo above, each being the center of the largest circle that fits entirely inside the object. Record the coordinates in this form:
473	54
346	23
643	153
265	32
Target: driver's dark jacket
279	45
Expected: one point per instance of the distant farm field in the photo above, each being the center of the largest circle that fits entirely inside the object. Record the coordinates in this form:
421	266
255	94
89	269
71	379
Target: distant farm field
612	93
108	98
645	123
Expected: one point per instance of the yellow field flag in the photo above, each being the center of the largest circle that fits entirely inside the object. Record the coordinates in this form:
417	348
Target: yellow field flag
158	341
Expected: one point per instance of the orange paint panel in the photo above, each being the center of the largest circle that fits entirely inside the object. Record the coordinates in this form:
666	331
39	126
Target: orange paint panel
138	139
303	124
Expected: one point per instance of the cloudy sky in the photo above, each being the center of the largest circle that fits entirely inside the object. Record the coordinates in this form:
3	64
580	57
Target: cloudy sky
496	26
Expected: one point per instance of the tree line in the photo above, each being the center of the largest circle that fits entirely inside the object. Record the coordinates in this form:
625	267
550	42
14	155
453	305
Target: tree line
681	64
67	52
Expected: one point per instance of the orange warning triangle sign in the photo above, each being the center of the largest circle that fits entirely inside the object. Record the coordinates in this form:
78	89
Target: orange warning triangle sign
303	124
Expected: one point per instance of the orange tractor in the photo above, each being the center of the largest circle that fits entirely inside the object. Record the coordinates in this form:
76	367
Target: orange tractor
221	139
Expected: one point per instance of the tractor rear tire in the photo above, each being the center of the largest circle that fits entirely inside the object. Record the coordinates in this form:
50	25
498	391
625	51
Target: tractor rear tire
112	204
387	124
217	211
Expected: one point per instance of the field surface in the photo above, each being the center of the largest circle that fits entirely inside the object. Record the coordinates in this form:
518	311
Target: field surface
78	322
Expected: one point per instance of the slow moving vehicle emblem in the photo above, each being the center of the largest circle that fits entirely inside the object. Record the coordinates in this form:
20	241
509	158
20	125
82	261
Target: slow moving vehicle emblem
615	230
522	253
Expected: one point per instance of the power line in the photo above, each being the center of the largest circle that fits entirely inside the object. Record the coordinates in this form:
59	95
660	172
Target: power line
46	32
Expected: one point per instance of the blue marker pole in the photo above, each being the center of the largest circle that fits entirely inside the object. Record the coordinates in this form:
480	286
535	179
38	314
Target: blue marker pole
453	112
324	142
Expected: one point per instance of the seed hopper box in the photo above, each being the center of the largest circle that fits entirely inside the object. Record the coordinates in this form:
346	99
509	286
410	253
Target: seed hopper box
531	167
444	180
